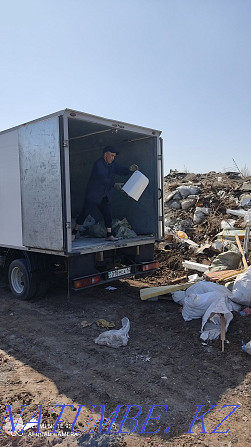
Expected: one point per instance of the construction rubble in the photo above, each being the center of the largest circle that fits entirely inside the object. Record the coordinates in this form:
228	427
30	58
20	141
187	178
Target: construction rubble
205	255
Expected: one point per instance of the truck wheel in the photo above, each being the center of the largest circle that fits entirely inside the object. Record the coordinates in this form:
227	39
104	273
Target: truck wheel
21	283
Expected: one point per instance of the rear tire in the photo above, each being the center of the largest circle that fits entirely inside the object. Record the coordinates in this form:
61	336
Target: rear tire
21	282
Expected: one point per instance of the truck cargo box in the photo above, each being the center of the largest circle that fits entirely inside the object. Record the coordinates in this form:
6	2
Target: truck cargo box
44	169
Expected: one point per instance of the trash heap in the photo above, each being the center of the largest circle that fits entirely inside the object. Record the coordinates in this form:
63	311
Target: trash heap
203	212
197	203
205	256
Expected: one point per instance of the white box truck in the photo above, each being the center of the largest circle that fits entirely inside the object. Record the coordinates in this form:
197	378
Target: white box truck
45	165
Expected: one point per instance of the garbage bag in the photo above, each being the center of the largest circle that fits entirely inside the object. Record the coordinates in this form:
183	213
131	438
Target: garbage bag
186	191
211	325
199	298
98	230
189	202
241	292
200	214
207	286
122	229
175	195
115	338
229	260
125	233
174	205
179	297
196	305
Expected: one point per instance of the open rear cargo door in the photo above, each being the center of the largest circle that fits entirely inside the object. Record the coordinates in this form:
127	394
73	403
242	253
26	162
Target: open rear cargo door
41	190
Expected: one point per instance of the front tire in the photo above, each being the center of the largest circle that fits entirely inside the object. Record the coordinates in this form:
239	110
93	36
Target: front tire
21	282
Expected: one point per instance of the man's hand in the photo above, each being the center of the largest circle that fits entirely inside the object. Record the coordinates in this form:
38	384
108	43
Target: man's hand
118	186
133	168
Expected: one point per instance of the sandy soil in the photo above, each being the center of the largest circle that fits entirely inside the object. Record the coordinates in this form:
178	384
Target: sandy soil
48	358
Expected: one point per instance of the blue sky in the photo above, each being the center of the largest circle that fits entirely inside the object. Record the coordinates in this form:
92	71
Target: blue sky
181	66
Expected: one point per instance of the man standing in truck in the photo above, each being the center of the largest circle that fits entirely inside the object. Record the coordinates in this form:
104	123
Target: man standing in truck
99	189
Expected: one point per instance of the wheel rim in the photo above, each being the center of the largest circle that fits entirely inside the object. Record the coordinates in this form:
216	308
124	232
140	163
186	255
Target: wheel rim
17	280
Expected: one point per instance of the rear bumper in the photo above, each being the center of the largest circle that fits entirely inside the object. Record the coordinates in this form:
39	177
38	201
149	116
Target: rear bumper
108	276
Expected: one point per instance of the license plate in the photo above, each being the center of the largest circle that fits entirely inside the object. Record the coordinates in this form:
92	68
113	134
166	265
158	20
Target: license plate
119	272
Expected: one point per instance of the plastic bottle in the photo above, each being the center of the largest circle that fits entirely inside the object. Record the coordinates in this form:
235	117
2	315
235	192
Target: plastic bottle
246	347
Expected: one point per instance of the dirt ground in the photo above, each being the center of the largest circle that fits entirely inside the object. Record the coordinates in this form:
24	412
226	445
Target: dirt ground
48	358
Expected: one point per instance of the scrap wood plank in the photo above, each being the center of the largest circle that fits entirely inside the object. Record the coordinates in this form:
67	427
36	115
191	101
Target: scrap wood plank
223	330
150	292
177	280
246	241
221	275
244	261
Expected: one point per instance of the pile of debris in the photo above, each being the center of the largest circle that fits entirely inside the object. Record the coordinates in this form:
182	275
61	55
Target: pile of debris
197	203
207	227
203	213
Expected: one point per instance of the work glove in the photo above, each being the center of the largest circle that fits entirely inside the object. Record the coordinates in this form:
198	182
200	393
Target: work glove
133	168
118	186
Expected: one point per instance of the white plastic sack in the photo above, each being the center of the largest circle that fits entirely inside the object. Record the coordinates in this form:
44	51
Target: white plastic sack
196	305
200	297
241	292
224	306
179	297
115	338
208	286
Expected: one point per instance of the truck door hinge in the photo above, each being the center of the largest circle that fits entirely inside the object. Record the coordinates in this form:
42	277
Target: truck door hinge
66	143
68	225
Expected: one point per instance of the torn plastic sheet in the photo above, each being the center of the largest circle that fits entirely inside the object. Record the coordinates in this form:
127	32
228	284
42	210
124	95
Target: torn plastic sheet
115	338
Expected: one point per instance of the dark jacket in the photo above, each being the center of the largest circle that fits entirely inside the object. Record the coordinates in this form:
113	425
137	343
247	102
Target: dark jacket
102	180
